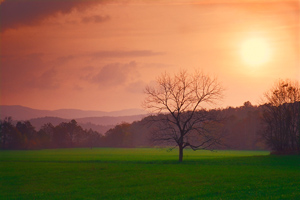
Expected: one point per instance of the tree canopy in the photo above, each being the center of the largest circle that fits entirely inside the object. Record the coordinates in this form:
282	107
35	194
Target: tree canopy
281	117
180	102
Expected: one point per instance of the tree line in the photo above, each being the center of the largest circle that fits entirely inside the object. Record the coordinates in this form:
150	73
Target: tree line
187	124
242	128
281	118
181	120
23	135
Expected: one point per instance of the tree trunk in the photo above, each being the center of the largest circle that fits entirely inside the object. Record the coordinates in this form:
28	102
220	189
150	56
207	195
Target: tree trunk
180	153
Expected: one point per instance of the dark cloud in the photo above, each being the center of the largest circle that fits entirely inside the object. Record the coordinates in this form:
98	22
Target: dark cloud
17	70
16	13
20	73
115	74
95	19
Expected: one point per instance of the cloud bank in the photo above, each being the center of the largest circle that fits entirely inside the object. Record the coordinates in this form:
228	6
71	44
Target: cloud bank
95	19
16	13
115	74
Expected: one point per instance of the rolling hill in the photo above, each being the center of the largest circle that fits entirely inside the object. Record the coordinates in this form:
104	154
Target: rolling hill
24	113
99	121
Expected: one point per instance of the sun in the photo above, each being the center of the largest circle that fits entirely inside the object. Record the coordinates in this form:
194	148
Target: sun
255	51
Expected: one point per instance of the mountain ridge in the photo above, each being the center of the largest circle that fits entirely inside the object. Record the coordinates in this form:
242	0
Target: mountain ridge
18	112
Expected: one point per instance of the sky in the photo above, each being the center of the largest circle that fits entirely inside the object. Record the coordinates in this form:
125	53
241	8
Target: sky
100	55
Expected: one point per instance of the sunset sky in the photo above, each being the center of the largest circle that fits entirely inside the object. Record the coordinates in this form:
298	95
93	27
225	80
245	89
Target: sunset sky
100	55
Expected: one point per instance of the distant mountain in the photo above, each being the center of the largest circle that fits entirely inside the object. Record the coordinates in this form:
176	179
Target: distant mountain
110	120
22	113
100	124
25	113
74	113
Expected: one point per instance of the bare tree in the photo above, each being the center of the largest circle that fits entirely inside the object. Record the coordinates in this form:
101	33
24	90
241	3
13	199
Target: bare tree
181	117
281	117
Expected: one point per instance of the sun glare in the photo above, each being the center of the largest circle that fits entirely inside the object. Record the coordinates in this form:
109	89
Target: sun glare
255	51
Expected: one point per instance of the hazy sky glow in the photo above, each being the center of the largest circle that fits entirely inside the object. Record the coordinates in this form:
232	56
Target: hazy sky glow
99	55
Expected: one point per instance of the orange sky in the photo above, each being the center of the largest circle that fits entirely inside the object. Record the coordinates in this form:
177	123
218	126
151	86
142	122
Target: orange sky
99	55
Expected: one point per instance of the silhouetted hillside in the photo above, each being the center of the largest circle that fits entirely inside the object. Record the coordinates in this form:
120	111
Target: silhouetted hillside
22	113
25	113
240	129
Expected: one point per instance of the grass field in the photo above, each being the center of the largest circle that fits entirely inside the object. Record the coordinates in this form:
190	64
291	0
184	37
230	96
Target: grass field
147	174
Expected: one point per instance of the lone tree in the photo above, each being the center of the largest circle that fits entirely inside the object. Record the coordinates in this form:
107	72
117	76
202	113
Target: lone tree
281	117
179	102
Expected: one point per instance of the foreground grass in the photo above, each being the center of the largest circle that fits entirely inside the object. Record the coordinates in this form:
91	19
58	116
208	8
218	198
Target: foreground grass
147	174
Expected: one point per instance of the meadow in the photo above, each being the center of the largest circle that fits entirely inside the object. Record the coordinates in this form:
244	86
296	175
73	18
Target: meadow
147	173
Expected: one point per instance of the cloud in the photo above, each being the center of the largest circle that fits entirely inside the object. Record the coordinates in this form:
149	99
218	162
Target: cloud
17	70
115	74
156	65
136	87
47	80
137	53
20	73
109	54
16	13
77	87
95	19
64	59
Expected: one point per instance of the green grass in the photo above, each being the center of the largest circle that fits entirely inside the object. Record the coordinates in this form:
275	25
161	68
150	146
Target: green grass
147	174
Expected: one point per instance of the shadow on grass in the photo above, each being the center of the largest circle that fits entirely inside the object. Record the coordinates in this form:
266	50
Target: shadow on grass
224	161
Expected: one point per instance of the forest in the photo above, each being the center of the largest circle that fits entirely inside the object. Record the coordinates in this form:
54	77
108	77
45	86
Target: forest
239	126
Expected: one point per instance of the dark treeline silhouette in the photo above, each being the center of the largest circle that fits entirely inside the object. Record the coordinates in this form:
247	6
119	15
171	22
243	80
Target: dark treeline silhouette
241	129
65	135
281	130
281	118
